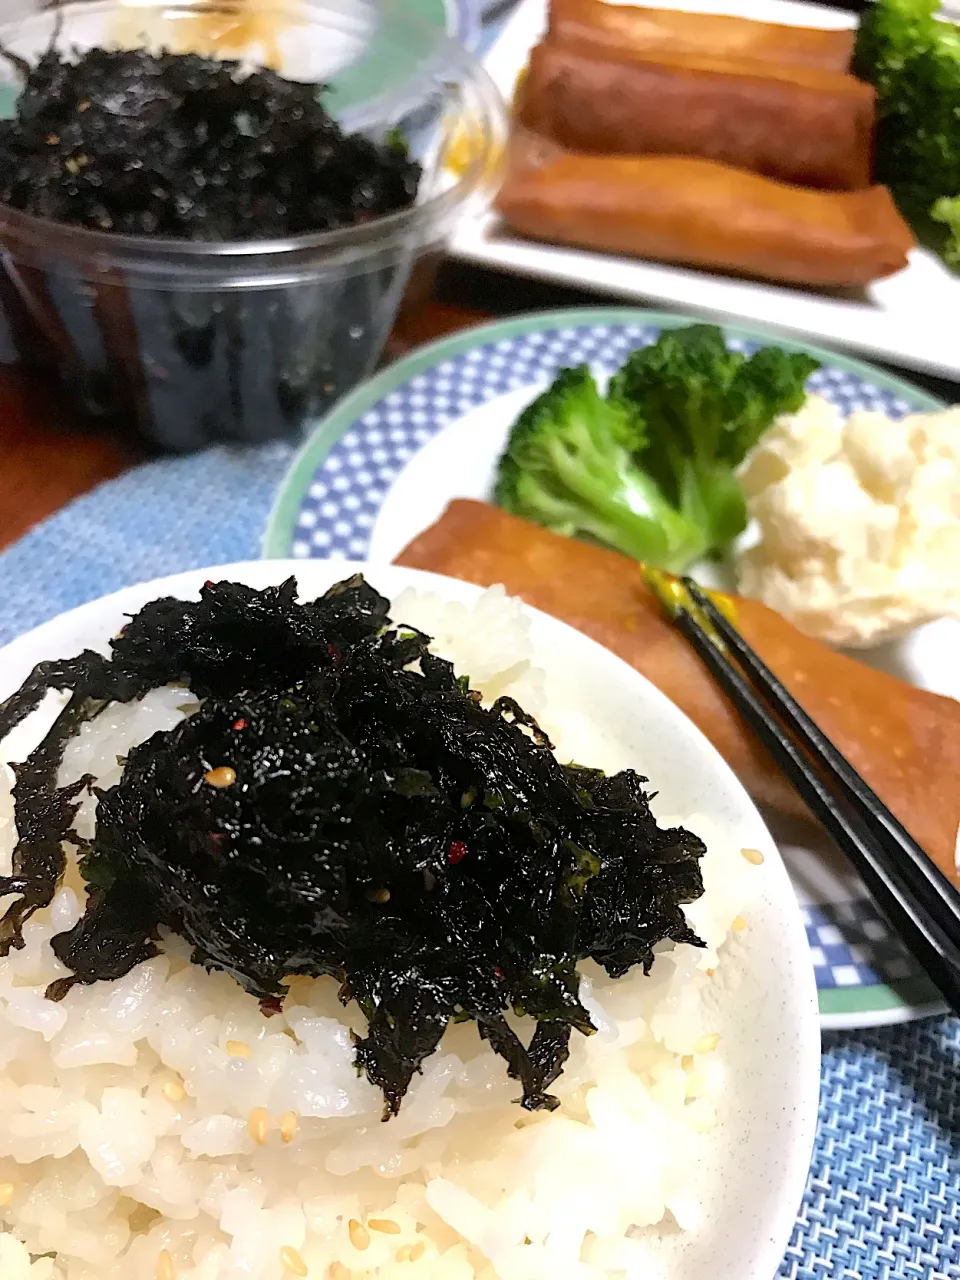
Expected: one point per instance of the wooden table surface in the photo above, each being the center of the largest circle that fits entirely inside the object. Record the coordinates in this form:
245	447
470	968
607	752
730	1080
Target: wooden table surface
47	459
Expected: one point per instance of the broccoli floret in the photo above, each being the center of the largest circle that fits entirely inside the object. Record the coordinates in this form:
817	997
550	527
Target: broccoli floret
704	407
649	469
569	466
913	61
947	211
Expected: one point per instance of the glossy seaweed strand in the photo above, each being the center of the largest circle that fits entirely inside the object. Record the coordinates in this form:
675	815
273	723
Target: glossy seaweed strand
341	804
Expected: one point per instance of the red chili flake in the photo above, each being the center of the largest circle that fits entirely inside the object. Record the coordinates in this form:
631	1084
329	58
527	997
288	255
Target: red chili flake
456	852
216	839
498	971
208	583
335	654
271	1006
239	724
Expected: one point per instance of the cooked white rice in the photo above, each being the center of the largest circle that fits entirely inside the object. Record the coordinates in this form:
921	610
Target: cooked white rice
160	1127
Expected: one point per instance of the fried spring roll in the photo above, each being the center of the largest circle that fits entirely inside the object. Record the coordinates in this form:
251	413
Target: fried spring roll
813	128
702	214
903	741
652	33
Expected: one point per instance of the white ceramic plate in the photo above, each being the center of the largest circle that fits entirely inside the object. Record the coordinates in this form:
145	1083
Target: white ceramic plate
754	1176
387	461
905	319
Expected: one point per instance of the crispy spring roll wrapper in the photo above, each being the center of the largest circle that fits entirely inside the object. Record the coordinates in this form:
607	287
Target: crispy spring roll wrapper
797	124
653	33
702	214
903	741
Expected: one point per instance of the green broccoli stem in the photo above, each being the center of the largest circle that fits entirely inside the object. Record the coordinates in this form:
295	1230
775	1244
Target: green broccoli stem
626	509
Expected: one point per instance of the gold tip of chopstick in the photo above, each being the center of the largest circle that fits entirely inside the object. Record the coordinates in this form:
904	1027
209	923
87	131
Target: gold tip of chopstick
676	598
668	589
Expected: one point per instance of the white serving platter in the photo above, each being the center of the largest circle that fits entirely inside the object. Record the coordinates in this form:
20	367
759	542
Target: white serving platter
908	319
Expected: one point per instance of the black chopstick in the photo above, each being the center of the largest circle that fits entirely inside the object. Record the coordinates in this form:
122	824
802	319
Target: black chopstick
928	924
925	877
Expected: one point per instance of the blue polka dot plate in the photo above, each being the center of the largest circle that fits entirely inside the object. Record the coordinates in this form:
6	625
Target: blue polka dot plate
385	464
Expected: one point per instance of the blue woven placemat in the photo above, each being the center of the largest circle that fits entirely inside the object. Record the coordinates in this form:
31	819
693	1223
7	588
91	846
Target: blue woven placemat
883	1197
167	516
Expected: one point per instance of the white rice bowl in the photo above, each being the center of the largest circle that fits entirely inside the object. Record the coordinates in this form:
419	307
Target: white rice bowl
132	1115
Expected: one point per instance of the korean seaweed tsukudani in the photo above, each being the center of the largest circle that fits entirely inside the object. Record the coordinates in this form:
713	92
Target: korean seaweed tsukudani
183	148
341	803
193	148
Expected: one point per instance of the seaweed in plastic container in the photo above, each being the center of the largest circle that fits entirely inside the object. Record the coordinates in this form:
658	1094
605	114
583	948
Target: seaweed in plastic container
195	248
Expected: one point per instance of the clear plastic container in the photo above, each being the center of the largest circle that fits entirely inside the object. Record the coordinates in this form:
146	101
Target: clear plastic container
188	344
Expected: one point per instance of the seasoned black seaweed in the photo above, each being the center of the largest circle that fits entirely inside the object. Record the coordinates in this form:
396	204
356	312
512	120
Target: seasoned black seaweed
341	803
180	146
193	148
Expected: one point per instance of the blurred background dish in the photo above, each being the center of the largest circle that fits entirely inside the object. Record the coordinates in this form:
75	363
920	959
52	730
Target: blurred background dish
188	342
899	318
